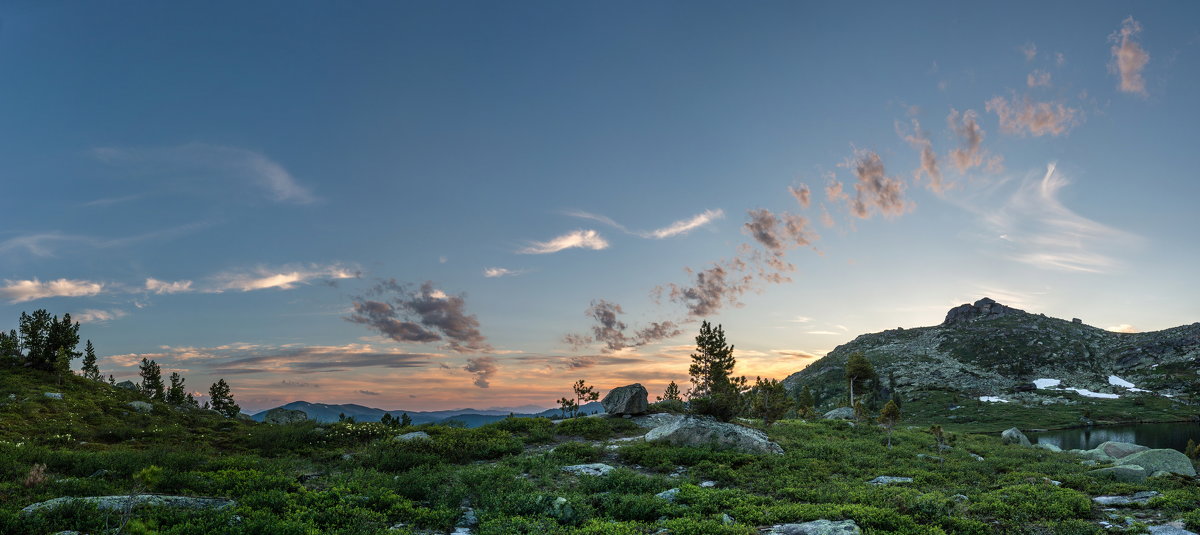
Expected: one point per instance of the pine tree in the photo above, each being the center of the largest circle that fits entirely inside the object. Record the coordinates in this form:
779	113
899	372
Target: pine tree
387	420
90	369
222	399
152	383
769	400
805	401
715	392
568	406
671	393
62	365
583	394
858	371
405	420
889	417
10	344
176	393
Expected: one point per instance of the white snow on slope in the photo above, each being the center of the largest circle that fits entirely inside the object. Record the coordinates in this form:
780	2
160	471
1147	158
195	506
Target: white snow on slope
1117	381
993	399
1047	383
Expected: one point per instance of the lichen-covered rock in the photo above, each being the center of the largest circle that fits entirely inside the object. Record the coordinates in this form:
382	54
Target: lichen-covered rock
52	395
140	406
1013	435
1140	498
1047	447
1119	450
119	503
415	435
889	480
629	399
668	495
1129	473
840	413
816	527
280	415
1164	460
128	385
695	431
593	469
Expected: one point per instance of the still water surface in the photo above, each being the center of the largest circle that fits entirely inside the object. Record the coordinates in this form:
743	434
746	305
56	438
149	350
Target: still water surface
1159	435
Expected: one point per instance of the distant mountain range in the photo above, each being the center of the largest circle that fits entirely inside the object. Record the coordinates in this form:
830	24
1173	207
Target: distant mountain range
324	412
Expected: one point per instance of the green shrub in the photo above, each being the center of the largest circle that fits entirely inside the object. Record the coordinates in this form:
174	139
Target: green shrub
591	428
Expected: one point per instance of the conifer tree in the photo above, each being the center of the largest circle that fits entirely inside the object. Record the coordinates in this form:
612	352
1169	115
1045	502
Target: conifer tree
387	420
62	365
176	393
858	371
715	392
10	344
222	399
583	394
90	369
889	417
405	420
152	383
805	401
671	393
769	400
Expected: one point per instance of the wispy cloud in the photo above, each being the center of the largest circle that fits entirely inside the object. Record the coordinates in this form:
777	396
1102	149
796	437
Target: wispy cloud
1123	328
929	168
20	291
1038	78
243	358
583	239
1029	50
1128	57
678	228
164	287
1025	116
802	194
875	191
46	244
712	288
92	315
204	162
285	278
969	153
421	315
778	232
797	353
494	272
483	368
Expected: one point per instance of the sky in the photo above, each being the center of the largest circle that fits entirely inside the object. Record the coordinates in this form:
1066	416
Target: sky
438	205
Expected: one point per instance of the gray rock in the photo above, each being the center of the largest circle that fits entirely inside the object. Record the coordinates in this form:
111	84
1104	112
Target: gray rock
140	406
280	415
119	503
593	469
816	527
1119	450
52	395
708	484
558	508
668	495
1089	462
128	385
695	431
888	480
1140	498
468	519
1166	460
1048	447
976	456
727	520
1014	436
1168	529
415	435
929	457
1129	473
840	413
960	498
983	309
626	400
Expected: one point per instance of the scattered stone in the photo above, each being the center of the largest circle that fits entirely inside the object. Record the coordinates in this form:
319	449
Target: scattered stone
976	457
119	503
668	495
1140	498
1047	447
1014	436
415	435
100	473
727	520
1089	462
708	484
840	413
960	498
1168	529
593	469
468	519
52	395
694	431
128	385
816	527
140	406
559	508
888	480
626	400
280	415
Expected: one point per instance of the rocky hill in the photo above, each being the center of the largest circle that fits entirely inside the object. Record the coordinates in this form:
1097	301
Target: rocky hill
990	352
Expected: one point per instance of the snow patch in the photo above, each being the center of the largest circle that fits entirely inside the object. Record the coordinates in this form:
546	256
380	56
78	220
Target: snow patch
993	399
1090	394
1047	383
1117	381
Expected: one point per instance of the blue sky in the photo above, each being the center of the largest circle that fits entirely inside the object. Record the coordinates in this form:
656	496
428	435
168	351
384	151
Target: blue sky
307	199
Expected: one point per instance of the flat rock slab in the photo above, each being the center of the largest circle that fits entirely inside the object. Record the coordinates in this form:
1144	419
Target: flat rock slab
1126	473
889	480
840	413
1140	498
593	469
1169	530
693	431
816	527
119	503
1118	450
415	435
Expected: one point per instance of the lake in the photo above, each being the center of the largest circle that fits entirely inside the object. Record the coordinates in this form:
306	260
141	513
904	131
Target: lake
1156	435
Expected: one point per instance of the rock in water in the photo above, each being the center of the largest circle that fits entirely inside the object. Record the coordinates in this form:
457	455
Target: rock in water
280	415
816	527
119	503
140	406
695	431
840	413
1014	436
629	399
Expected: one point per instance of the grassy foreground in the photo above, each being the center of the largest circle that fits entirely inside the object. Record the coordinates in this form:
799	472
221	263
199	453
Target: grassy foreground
355	478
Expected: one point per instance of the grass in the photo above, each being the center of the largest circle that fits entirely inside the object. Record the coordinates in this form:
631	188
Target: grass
357	479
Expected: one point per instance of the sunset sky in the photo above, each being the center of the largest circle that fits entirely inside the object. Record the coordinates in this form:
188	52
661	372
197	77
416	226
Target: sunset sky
436	205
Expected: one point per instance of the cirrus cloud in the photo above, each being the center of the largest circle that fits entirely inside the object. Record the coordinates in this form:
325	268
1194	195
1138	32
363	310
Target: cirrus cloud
20	291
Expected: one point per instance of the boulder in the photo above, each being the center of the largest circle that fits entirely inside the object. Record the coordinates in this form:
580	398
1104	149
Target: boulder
1119	450
840	413
593	469
558	508
1014	436
1129	473
1048	447
816	527
140	406
52	395
1167	529
415	435
1165	460
983	309
120	503
889	480
695	431
1141	498
626	400
669	495
128	385
280	415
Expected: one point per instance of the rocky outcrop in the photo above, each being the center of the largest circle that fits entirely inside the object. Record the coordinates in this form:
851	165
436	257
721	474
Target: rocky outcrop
1140	498
983	309
626	400
119	503
889	480
140	406
593	469
128	385
696	431
1014	436
816	527
840	413
280	415
415	435
1130	473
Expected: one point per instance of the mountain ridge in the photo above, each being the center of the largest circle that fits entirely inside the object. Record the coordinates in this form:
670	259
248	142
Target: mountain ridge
327	412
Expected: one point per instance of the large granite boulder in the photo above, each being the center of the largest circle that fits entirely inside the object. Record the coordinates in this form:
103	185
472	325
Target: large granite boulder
816	527
1164	460
280	415
626	400
1013	435
592	469
840	413
1119	450
120	503
415	435
1127	473
695	431
128	385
